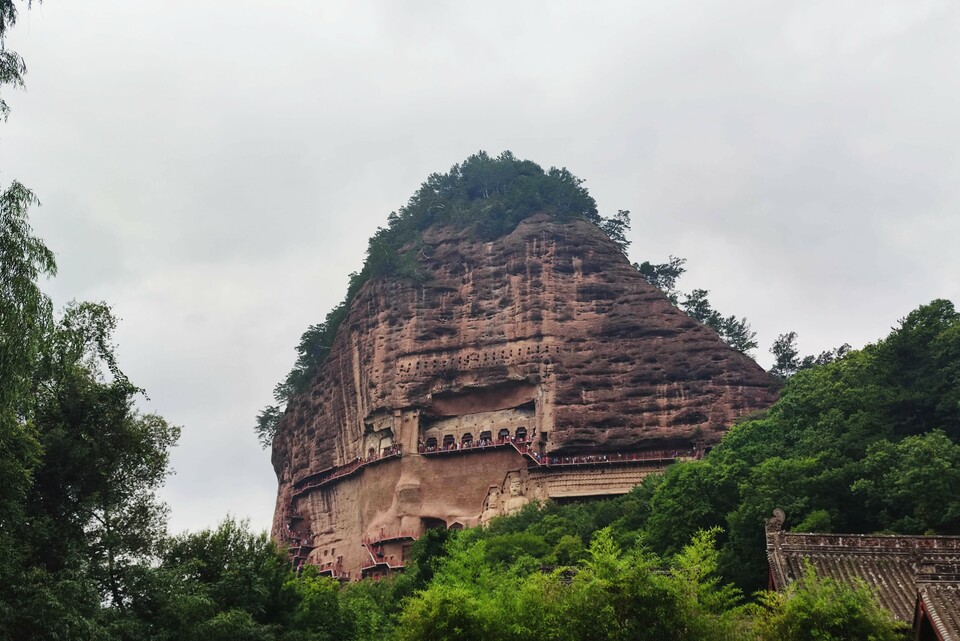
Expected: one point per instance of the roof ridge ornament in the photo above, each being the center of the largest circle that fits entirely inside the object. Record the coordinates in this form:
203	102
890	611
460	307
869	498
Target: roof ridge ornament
775	523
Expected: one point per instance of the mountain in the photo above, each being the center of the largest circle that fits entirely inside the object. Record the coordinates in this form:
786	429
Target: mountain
539	364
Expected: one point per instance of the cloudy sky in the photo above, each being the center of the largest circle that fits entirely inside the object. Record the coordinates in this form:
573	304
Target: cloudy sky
213	169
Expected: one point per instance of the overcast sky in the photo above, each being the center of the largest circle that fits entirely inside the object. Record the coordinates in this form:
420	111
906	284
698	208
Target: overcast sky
213	169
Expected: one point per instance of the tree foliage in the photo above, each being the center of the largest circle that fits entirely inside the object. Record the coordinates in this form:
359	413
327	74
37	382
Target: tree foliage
25	323
860	444
616	228
786	356
89	516
12	67
623	593
735	332
79	466
826	610
787	361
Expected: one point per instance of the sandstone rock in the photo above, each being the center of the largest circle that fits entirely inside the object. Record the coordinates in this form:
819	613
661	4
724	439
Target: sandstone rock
547	336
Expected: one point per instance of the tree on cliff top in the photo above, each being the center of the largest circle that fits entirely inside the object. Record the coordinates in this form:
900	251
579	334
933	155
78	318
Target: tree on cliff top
488	196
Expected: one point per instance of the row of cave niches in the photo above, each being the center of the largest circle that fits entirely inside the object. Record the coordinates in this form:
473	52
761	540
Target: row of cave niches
477	359
449	442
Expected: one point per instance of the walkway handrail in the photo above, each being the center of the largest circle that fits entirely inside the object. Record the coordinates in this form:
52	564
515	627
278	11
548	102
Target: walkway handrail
392	566
457	448
547	460
523	447
385	537
333	473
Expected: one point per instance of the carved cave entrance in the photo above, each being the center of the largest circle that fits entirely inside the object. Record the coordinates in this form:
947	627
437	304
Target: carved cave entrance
509	411
432	523
378	436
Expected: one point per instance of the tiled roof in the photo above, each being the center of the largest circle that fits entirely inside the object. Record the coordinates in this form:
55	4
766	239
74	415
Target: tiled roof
942	605
900	569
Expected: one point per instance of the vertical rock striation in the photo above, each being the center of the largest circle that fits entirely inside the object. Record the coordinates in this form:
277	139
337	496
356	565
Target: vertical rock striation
546	346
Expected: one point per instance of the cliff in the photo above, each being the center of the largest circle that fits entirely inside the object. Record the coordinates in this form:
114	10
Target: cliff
546	340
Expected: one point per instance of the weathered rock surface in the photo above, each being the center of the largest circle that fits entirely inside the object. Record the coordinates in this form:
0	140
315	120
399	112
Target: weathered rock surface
548	330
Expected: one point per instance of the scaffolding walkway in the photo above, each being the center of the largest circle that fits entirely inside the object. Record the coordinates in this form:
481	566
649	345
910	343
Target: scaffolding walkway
331	474
379	560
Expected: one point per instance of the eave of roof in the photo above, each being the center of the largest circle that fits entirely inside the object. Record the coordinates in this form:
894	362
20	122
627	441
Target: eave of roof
940	603
894	566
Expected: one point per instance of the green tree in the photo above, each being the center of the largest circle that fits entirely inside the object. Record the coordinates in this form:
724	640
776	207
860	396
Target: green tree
664	276
25	312
450	614
787	361
569	550
824	357
737	334
826	610
616	228
103	460
786	356
696	305
238	568
25	320
12	67
911	485
506	549
78	464
90	515
320	614
689	497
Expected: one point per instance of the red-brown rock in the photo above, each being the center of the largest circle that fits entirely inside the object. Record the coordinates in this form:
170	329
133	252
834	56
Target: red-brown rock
548	330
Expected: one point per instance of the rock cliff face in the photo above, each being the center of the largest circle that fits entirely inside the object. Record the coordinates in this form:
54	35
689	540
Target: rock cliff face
545	346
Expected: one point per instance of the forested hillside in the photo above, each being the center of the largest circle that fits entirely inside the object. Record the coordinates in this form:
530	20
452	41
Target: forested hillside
864	444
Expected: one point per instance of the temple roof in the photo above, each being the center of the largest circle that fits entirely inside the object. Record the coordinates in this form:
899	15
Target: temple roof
941	605
903	571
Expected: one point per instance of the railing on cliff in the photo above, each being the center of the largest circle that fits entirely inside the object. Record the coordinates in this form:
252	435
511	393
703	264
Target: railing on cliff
525	448
300	548
460	448
331	474
378	558
299	551
388	537
291	516
579	460
333	569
